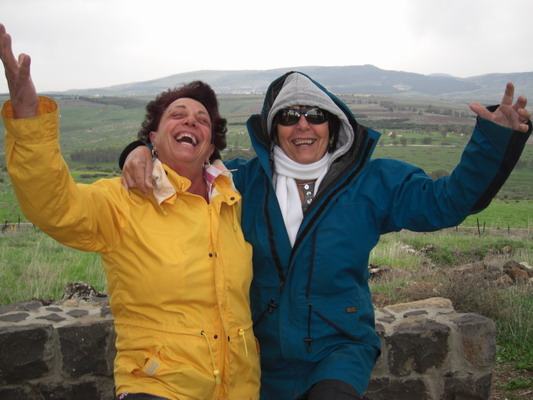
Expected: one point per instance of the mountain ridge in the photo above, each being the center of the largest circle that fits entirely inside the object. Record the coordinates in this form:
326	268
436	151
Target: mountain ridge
354	79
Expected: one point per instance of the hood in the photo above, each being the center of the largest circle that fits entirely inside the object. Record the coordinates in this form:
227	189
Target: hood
296	88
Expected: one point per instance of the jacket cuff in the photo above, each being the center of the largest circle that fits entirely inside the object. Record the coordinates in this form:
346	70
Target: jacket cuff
44	125
46	106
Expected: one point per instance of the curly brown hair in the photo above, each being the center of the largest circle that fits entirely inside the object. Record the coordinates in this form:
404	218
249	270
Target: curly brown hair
196	90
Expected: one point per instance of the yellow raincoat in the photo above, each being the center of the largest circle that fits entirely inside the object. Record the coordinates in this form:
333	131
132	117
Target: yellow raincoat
178	269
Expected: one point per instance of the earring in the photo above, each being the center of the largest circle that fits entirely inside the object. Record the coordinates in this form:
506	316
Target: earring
154	153
331	140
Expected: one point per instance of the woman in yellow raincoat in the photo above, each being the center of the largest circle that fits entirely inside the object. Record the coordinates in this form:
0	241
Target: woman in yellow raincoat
177	264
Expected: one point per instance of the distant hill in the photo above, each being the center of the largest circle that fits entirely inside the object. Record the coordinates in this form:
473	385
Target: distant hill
363	79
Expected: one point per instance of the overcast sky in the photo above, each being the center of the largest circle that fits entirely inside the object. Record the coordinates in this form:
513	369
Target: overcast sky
98	43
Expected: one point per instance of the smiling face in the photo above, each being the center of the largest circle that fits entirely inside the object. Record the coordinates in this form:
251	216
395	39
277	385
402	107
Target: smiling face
303	142
183	137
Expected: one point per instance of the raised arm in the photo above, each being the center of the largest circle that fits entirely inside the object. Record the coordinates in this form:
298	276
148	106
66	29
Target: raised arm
87	217
498	139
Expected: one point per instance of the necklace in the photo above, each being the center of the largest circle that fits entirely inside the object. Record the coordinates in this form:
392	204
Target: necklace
308	191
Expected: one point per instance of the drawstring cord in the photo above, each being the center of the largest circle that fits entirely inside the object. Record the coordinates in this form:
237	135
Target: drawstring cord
216	372
241	333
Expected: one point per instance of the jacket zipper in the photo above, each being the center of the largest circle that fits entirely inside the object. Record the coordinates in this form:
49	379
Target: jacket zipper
308	340
348	181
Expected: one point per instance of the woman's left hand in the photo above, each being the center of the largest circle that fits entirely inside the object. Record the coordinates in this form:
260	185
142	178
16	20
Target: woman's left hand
21	89
514	116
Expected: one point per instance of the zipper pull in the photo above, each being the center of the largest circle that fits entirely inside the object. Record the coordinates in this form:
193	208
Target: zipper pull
272	305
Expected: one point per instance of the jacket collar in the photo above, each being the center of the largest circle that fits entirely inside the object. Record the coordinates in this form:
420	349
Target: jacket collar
167	183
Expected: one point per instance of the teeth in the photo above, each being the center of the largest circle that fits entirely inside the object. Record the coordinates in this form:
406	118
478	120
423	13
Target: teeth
186	138
302	142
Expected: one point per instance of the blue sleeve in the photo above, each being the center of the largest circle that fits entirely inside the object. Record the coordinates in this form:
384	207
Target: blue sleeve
419	203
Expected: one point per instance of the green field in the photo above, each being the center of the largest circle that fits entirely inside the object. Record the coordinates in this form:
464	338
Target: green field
104	125
504	214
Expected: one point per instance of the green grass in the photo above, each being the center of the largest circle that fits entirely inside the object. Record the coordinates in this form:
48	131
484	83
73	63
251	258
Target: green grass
503	214
461	247
515	330
9	209
34	266
429	158
519	383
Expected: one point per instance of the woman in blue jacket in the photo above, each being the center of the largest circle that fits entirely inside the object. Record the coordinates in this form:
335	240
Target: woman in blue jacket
314	206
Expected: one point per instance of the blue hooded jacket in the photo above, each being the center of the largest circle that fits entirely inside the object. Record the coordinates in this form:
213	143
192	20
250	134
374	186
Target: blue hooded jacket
311	303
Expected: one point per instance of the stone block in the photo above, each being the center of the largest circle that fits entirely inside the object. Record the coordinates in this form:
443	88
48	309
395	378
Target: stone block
467	388
24	353
397	389
18	393
417	345
478	338
87	349
430	303
74	391
14	317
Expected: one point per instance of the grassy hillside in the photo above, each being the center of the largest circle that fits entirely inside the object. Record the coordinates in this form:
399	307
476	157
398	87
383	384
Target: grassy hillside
429	134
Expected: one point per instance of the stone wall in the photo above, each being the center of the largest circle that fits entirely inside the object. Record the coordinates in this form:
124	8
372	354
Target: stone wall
66	351
61	351
432	352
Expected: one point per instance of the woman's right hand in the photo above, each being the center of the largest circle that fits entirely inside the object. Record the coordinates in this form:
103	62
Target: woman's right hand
137	170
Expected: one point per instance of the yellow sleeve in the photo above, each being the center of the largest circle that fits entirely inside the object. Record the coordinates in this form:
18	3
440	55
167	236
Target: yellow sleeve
86	217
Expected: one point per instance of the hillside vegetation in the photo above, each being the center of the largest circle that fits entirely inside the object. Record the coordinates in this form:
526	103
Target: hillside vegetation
430	135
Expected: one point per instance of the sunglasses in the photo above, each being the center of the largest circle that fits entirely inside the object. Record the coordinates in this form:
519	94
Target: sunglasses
291	116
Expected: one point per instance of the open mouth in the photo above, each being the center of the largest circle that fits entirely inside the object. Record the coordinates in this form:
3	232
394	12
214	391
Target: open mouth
186	138
303	142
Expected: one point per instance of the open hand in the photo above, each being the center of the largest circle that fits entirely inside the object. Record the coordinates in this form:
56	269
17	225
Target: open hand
137	170
514	116
21	90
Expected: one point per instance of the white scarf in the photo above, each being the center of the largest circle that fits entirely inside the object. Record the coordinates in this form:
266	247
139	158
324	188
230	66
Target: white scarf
286	171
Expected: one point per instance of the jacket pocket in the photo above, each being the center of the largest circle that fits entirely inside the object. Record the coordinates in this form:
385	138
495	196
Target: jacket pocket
186	370
351	317
337	327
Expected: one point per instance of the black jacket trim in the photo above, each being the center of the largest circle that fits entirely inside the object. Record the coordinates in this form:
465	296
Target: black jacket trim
271	240
512	154
129	148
